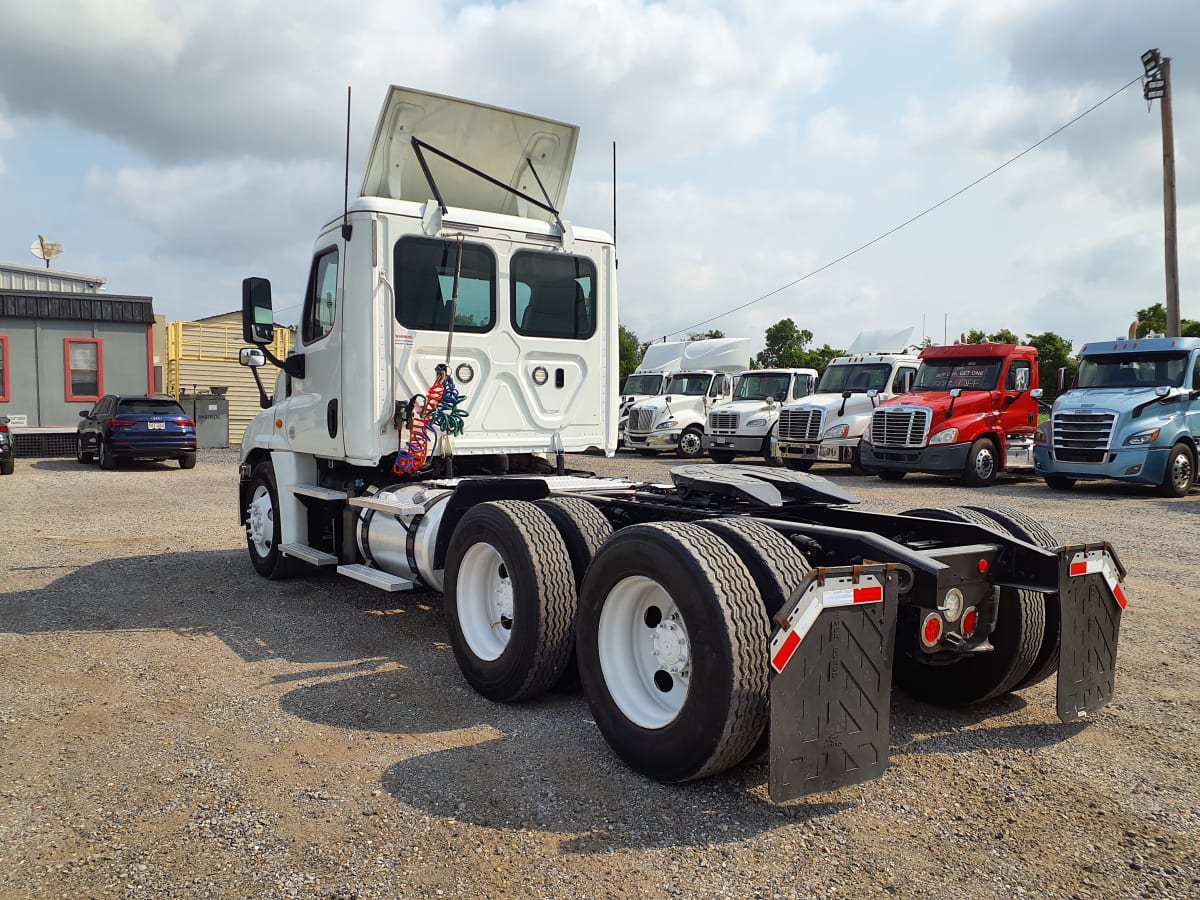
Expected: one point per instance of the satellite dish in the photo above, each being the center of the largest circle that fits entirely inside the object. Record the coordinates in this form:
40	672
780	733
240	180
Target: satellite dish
45	249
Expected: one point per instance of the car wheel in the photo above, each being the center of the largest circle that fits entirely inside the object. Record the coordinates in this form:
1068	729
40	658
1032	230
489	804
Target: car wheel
107	460
188	460
7	466
83	457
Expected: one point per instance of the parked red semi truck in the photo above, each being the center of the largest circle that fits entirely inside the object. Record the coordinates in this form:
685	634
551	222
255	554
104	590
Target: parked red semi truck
972	413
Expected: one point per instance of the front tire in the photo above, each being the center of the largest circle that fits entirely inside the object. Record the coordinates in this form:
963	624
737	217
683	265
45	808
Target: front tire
673	651
722	456
263	532
83	457
691	443
983	466
891	474
510	600
1181	472
798	465
1059	482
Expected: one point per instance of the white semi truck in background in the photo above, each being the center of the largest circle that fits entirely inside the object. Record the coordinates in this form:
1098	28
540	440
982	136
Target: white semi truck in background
828	425
455	333
744	425
675	420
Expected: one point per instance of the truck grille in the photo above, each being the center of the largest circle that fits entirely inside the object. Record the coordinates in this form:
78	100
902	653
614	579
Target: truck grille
723	421
641	419
800	424
1082	436
899	426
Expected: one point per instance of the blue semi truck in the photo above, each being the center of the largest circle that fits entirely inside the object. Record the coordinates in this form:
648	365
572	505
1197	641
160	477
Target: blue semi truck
1132	415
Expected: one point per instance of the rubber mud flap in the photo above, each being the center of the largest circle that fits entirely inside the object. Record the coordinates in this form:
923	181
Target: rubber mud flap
1087	663
831	703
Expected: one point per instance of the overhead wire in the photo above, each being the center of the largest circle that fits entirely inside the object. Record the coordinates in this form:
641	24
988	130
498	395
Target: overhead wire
912	219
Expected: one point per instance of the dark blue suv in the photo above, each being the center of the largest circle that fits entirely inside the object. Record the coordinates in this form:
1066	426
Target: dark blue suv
119	428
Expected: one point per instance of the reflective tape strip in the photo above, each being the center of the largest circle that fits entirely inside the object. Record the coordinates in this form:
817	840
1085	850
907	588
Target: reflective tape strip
1089	562
837	591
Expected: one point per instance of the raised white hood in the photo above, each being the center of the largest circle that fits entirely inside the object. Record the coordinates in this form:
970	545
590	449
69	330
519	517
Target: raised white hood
497	141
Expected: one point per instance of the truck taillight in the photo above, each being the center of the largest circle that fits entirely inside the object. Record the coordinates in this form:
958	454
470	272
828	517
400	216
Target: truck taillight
970	621
931	629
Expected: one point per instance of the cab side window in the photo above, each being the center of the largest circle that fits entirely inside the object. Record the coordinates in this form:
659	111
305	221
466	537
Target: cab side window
1196	374
903	380
1018	375
320	302
718	386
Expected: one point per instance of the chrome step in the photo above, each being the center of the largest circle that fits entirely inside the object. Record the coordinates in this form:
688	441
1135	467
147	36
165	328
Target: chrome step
308	554
385	581
315	490
381	504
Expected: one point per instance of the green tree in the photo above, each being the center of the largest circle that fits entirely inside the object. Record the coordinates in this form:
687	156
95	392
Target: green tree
629	351
1054	353
1003	336
787	346
1153	320
706	335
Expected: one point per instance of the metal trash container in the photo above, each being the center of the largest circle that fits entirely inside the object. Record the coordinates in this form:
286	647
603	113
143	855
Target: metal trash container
210	411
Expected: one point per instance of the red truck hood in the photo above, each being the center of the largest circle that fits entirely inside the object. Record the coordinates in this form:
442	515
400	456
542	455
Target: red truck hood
967	403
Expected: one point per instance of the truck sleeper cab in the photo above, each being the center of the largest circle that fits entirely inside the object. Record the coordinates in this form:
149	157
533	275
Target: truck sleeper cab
971	413
1132	415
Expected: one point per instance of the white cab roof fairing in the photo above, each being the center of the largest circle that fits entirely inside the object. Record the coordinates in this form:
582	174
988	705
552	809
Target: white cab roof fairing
496	141
882	341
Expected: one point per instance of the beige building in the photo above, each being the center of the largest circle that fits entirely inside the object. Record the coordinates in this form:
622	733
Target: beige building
203	356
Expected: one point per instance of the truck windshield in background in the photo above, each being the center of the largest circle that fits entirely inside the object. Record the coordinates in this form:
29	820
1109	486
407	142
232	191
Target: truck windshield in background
643	384
760	387
1127	371
689	385
968	374
854	378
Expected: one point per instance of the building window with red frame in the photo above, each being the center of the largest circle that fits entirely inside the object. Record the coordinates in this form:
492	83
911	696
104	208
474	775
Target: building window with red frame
4	398
84	368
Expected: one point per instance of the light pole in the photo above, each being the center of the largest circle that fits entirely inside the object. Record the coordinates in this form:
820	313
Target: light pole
1156	85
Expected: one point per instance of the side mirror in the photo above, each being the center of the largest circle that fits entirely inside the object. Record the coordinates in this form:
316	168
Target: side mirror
83	413
872	392
1062	380
1036	393
258	319
845	395
251	356
955	392
1161	391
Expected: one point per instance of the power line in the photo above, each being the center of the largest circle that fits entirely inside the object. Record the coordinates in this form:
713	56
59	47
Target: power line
919	215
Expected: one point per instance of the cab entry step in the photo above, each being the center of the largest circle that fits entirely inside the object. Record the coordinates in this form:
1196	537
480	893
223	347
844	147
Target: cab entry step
385	581
309	554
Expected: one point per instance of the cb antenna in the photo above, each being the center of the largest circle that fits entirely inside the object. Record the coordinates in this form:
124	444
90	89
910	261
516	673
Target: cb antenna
346	229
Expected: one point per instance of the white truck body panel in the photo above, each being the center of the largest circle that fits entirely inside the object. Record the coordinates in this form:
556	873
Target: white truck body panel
742	425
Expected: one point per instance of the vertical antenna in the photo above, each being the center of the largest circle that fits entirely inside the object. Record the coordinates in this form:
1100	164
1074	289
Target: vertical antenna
346	229
616	262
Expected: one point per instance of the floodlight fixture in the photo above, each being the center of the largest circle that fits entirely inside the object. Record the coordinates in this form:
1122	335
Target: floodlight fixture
1151	60
1154	88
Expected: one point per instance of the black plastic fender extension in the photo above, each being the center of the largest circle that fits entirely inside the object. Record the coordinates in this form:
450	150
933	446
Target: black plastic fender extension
1091	598
831	679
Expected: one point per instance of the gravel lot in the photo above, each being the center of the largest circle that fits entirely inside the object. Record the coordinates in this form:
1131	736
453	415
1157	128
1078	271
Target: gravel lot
170	724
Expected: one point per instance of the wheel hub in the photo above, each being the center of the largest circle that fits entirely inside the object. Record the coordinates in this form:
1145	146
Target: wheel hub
260	523
670	645
502	603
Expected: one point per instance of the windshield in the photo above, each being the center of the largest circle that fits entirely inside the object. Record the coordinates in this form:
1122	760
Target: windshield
1126	370
854	378
643	384
689	385
982	374
760	387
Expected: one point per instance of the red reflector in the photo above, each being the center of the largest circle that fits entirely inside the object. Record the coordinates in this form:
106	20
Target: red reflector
1078	568
1119	593
970	621
869	594
983	565
931	629
790	643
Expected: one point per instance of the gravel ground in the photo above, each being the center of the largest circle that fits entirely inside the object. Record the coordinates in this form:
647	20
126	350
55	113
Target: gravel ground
172	725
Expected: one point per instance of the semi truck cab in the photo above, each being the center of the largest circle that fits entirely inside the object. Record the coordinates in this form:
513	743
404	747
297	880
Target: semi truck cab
744	425
1132	415
972	413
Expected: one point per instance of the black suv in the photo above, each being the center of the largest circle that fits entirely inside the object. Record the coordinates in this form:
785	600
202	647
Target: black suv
7	453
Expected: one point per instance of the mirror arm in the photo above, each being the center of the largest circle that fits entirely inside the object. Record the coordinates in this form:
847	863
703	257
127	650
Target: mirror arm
293	365
264	402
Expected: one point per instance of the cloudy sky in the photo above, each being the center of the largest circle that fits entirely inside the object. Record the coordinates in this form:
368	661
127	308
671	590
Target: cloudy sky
176	148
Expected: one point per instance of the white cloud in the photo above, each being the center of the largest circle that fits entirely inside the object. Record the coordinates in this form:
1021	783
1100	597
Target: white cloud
829	137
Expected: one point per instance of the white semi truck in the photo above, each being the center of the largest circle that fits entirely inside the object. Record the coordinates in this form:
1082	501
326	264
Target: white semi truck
675	420
455	333
828	425
744	425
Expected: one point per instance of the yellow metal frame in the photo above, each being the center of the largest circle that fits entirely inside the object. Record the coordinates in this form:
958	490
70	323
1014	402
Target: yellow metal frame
207	342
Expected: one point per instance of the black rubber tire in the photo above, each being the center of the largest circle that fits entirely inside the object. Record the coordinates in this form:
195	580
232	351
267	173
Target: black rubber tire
724	457
274	566
646	452
857	467
1180	474
83	457
539	566
725	711
107	460
1017	638
188	460
768	458
691	443
798	465
983	464
8	466
1059	482
1033	532
891	474
775	563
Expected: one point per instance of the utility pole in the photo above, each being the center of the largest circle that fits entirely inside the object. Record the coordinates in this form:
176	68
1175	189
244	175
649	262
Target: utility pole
1157	86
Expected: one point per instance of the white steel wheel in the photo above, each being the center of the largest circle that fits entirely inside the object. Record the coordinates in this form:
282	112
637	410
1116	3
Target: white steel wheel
263	533
510	600
672	647
644	651
260	521
485	601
